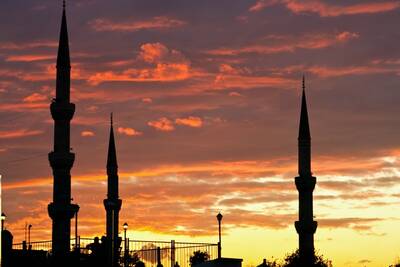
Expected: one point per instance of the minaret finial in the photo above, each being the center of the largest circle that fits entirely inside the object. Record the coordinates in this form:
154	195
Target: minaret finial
111	119
63	4
304	83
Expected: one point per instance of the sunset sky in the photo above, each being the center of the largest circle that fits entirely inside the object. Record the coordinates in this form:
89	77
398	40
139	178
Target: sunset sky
206	103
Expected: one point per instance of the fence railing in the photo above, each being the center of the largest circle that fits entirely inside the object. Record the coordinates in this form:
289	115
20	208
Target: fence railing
168	252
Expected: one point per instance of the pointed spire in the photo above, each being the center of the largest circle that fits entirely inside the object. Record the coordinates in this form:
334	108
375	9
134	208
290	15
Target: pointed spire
112	154
63	46
304	129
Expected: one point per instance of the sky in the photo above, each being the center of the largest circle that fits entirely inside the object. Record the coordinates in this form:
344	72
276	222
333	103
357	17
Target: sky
206	103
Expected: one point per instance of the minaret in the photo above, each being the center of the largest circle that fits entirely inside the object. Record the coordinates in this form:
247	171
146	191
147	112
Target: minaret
305	183
112	204
61	159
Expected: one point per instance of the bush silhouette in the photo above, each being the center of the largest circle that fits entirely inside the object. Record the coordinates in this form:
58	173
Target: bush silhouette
199	257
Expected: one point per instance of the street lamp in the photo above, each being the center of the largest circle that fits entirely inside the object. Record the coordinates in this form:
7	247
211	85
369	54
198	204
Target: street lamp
219	218
3	218
126	249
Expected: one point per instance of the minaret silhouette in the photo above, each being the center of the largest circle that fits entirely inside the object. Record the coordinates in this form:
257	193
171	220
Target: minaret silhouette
61	159
305	183
112	204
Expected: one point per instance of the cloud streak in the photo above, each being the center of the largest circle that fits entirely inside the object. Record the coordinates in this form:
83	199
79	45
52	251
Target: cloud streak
156	23
324	9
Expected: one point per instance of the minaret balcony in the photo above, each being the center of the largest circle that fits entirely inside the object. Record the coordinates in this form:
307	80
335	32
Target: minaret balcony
306	227
62	110
62	211
305	184
61	160
112	204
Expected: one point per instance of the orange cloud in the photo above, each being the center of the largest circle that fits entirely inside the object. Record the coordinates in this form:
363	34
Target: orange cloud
147	100
153	52
129	131
327	72
87	134
29	58
35	97
18	133
190	121
28	45
23	107
161	73
327	10
235	94
223	81
162	124
159	53
161	22
280	44
168	65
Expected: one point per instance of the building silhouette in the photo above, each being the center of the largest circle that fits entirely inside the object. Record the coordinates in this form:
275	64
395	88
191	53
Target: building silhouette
305	184
112	203
61	158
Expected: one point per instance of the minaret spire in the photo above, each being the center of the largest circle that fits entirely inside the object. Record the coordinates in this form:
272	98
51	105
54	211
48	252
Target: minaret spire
305	184
304	129
112	165
112	203
61	159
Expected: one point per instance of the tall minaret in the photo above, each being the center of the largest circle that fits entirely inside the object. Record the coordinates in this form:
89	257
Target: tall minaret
305	183
61	159
112	203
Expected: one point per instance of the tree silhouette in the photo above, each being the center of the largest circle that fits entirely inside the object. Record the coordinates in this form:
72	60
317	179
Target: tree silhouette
267	263
293	260
199	257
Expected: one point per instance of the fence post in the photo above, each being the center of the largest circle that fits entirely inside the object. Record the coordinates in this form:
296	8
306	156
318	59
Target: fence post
159	257
172	253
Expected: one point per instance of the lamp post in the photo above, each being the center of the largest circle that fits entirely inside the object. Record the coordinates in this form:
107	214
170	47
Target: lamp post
77	242
3	218
219	218
29	237
125	245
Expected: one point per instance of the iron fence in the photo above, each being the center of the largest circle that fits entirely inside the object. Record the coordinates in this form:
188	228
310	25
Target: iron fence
167	252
